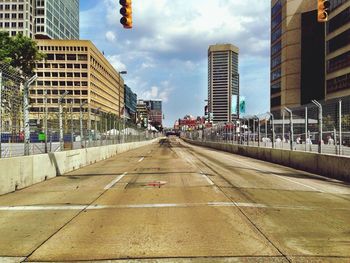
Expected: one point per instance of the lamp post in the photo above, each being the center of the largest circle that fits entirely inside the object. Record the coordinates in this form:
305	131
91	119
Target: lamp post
60	108
81	122
291	126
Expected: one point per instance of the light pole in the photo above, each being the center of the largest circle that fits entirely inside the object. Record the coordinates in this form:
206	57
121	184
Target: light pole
81	122
60	119
291	126
273	128
26	113
257	118
320	119
96	111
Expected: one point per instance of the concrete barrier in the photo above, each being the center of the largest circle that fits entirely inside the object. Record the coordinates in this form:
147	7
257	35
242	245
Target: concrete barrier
20	172
331	166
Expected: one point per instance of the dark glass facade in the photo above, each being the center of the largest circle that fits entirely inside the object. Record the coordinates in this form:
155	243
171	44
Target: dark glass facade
339	41
339	62
312	58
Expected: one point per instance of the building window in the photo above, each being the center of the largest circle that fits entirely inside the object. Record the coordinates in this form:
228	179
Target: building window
276	101
275	88
336	3
339	62
60	57
275	61
276	8
339	41
277	20
276	34
71	57
339	20
275	74
82	57
339	83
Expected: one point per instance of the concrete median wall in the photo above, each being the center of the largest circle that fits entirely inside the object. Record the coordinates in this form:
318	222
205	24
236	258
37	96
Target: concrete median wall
331	166
20	172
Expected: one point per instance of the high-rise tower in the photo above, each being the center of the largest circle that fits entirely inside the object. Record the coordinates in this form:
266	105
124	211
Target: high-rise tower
223	82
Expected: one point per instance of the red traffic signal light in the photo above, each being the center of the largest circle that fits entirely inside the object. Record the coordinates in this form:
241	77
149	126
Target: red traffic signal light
126	13
322	10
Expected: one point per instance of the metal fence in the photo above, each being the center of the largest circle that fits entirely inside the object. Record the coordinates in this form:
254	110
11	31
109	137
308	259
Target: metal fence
322	127
63	126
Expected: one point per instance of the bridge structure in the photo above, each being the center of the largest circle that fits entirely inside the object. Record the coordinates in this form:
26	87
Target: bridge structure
172	201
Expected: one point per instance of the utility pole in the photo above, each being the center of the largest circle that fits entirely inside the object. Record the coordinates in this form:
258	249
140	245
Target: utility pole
45	118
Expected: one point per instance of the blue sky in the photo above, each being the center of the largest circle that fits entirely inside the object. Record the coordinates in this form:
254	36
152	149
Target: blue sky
165	53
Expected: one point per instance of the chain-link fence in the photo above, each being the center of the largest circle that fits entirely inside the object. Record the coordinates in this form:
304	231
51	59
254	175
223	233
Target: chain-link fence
322	127
65	125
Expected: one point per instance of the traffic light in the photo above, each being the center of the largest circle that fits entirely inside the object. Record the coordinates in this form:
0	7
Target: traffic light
126	12
322	10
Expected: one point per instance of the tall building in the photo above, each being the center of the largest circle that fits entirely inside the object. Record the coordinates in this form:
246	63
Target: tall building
52	19
297	54
155	112
338	50
142	113
130	100
79	68
223	82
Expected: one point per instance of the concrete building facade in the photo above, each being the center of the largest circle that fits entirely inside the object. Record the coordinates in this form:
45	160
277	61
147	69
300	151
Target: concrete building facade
155	112
338	50
52	19
78	67
223	83
309	60
297	55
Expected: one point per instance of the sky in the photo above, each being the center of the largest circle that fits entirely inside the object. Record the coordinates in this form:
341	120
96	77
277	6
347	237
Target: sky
166	51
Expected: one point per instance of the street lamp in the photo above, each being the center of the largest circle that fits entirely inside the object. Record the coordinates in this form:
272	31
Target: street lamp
60	119
81	122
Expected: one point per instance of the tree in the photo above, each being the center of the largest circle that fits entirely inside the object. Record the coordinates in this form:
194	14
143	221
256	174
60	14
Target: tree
20	52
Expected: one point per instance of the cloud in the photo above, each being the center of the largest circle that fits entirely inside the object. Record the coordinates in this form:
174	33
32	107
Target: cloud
110	36
116	62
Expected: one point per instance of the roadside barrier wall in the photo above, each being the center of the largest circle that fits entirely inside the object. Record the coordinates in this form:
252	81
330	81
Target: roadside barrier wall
20	172
331	166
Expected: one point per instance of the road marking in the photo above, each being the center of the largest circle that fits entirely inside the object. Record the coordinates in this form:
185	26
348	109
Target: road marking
116	180
210	182
164	205
245	164
141	159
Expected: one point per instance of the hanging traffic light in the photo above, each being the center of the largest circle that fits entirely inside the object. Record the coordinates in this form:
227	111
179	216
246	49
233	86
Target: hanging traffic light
322	10
126	13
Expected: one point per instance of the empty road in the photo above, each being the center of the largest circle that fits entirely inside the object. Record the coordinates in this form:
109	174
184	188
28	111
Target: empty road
174	202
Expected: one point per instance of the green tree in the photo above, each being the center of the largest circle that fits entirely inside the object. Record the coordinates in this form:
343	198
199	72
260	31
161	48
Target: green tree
20	52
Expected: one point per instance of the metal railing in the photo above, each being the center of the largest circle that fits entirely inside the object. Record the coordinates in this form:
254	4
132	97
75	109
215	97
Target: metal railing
322	127
65	126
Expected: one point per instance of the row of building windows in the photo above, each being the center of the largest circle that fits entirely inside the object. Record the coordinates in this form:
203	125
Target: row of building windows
276	8
62	65
338	83
275	61
12	7
276	34
58	92
336	3
276	48
62	83
339	41
62	48
339	20
339	62
277	20
62	74
55	101
70	57
11	16
11	25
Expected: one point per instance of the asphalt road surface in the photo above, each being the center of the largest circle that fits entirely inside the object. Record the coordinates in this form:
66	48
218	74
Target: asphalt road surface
174	202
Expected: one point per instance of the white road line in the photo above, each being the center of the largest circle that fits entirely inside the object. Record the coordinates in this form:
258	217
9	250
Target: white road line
116	180
165	205
245	164
141	159
210	182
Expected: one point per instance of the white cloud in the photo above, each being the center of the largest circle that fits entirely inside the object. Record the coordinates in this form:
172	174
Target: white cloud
116	62
110	36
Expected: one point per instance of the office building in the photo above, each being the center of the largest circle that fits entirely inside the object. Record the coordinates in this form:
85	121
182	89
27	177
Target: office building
338	50
78	67
223	83
142	113
130	100
297	54
155	112
41	19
